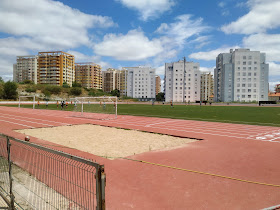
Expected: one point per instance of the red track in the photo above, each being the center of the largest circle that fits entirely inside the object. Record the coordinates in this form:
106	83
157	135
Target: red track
241	151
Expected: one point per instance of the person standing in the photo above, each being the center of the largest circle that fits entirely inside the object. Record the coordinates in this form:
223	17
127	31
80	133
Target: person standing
47	104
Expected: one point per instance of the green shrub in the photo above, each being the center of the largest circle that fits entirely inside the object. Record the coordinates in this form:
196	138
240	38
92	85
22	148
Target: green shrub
76	91
30	89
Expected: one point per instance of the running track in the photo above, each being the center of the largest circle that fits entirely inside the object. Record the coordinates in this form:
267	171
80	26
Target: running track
241	151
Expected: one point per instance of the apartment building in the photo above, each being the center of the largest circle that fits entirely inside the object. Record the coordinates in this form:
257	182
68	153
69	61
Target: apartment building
182	81
241	75
89	75
141	83
206	86
55	68
111	80
25	69
123	82
158	84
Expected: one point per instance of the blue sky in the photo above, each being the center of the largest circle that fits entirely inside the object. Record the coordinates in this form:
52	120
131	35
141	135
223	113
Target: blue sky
119	33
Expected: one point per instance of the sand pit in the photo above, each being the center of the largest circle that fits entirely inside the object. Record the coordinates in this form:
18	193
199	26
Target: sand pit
106	141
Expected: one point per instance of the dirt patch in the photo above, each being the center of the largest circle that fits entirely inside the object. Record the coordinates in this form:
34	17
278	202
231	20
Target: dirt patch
106	141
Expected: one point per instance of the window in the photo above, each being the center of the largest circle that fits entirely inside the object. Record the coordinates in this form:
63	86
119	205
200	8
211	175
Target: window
244	57
244	63
249	74
238	74
243	85
244	74
249	90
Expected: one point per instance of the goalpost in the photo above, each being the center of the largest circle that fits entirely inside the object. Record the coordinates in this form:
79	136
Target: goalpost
104	107
24	100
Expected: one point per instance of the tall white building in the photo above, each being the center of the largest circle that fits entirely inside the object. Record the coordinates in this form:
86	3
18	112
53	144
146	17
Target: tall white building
25	69
182	81
241	75
141	83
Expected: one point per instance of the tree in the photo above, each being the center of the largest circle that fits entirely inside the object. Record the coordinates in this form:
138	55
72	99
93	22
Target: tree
160	96
76	91
10	90
115	92
76	84
65	85
1	80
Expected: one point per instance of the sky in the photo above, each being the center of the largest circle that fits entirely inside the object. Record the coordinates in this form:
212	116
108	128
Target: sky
126	33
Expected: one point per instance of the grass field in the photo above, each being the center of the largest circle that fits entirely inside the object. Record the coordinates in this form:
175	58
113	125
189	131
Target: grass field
233	114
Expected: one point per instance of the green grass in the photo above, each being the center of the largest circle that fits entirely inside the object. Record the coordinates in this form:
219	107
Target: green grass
269	116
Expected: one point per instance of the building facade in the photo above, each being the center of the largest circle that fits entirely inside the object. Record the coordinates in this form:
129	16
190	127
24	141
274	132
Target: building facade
25	69
158	84
206	86
89	75
182	81
111	80
55	68
141	83
241	75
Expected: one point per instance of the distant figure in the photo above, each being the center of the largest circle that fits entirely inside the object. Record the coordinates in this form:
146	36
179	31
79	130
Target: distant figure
57	104
153	102
210	103
66	104
38	103
200	103
62	104
47	104
205	102
171	104
104	105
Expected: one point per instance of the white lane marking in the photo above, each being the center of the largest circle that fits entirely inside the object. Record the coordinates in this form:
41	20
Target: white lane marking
27	121
17	123
31	118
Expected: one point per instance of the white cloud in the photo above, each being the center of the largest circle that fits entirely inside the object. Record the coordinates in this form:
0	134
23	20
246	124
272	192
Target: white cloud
49	22
148	8
268	43
274	69
43	25
182	29
211	55
132	46
263	15
80	57
207	69
160	70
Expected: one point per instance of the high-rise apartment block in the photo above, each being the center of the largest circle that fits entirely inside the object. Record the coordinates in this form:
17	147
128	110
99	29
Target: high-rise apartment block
111	80
89	75
241	75
141	83
206	86
25	69
182	81
55	68
158	84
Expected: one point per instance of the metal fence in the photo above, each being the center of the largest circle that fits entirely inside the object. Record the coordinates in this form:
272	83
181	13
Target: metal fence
36	177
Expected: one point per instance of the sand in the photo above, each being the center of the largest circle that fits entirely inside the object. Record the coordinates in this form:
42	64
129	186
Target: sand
106	141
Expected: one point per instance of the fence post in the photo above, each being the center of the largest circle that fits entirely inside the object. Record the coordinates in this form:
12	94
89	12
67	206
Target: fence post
100	187
103	184
12	204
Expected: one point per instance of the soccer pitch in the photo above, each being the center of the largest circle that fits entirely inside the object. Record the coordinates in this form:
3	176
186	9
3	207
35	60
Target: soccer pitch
269	116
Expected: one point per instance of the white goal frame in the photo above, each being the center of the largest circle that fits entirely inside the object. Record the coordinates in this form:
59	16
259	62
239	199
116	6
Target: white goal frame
83	100
26	97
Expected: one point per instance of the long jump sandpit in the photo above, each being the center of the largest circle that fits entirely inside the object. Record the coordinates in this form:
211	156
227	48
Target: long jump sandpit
106	142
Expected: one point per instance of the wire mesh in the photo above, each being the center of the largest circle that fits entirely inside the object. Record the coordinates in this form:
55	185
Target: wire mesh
47	179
